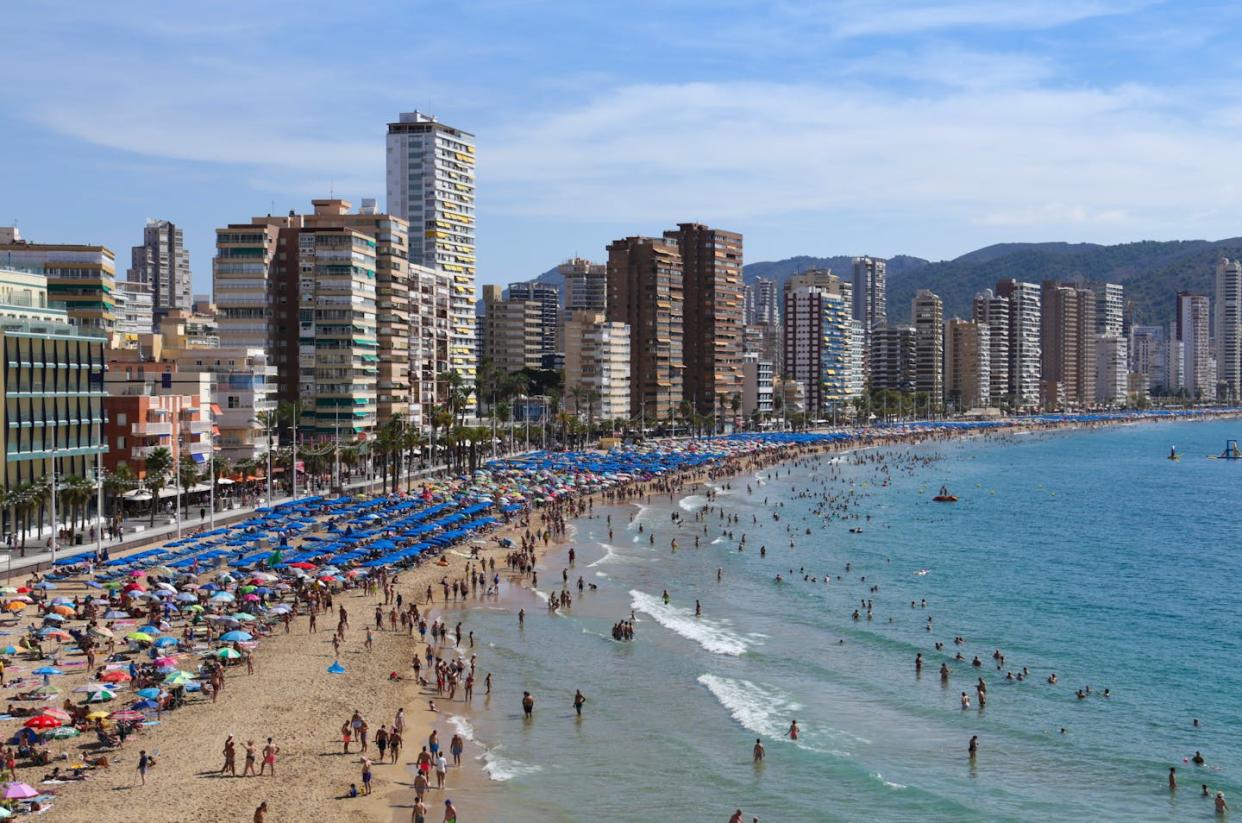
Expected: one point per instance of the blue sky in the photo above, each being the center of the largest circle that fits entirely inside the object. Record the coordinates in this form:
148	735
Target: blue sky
849	127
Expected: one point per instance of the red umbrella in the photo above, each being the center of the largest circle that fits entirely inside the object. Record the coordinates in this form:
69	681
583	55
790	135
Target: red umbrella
42	721
115	676
303	565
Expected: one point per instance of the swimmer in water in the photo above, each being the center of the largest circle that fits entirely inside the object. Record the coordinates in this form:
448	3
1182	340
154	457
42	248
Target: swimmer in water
793	730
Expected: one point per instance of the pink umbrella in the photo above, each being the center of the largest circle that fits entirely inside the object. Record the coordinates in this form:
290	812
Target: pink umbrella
166	661
138	573
251	597
19	791
126	716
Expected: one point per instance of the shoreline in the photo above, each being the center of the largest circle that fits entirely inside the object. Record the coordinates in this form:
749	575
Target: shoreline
291	666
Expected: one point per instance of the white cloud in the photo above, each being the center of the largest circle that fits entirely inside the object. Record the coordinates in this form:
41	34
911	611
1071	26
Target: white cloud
859	18
1054	214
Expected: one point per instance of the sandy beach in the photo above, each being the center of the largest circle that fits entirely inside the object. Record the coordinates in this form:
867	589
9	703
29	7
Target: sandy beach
293	699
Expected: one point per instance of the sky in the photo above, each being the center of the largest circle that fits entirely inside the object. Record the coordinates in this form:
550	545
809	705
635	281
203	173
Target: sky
876	127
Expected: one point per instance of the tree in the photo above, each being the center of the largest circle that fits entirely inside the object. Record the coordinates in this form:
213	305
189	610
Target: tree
159	464
76	494
188	477
117	483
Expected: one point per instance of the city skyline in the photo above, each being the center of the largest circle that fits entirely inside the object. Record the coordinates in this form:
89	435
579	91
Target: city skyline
1035	132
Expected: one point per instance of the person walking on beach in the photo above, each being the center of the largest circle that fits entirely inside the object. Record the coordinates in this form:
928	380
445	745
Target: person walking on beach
579	699
441	770
394	745
260	814
528	705
419	814
366	775
456	747
269	758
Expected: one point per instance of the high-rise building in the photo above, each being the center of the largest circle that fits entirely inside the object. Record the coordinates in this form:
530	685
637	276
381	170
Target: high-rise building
967	364
817	332
1024	342
1229	328
163	264
993	312
645	292
763	303
430	291
1193	329
597	361
826	280
327	295
586	285
1112	377
893	358
757	382
431	186
135	310
1148	356
870	294
512	332
1068	361
54	385
711	269
1110	303
927	315
82	277
549	299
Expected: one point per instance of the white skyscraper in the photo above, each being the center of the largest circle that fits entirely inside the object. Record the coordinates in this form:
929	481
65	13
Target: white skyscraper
1229	327
431	185
1193	313
1024	347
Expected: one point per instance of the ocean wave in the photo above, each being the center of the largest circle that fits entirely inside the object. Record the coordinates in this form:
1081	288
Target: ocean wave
638	518
709	634
612	554
692	502
495	765
890	784
718	540
766	711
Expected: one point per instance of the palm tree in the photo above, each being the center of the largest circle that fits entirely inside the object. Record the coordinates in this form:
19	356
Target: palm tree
159	464
188	476
117	483
76	493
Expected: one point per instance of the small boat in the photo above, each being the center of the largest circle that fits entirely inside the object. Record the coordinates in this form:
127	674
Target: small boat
944	496
1173	455
1231	452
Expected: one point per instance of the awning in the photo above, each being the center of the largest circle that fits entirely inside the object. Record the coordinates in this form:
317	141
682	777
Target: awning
215	408
199	457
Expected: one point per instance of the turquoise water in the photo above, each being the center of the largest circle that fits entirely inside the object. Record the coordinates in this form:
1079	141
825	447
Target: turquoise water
1086	554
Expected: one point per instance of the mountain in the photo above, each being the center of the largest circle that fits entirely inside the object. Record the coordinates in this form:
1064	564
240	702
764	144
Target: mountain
1152	272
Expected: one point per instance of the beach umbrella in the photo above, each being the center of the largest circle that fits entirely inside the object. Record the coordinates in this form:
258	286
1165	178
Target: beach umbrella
102	631
8	590
97	715
246	589
166	661
150	629
194	608
42	721
149	693
178	678
62	610
236	637
45	585
47	671
48	691
54	633
164	642
228	654
59	714
64	732
126	716
137	573
223	597
133	586
143	705
186	597
54	618
252	598
140	637
19	791
244	617
15	605
100	696
115	614
336	668
166	587
115	676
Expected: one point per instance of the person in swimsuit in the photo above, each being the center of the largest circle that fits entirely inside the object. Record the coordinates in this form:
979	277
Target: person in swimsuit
450	812
250	758
419	815
269	758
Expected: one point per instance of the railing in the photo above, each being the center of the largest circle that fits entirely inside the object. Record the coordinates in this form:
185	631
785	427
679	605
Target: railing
150	429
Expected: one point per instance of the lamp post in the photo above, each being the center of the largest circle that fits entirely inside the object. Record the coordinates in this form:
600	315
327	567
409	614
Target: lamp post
55	535
294	467
99	503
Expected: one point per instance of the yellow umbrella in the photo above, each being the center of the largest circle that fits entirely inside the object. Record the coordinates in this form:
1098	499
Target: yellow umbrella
98	716
141	637
63	611
15	605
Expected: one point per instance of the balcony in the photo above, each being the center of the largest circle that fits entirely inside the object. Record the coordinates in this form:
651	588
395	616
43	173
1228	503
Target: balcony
143	452
149	429
198	426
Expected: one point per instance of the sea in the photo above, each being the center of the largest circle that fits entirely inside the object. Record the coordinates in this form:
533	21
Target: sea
1087	554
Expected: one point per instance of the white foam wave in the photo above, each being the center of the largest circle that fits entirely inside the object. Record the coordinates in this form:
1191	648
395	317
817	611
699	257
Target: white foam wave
500	768
692	502
611	555
888	783
718	540
766	711
600	574
541	595
496	766
710	634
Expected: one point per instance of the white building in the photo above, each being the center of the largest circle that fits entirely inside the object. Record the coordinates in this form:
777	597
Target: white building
1229	327
430	183
993	311
1111	370
817	334
1024	342
1193	321
597	360
757	383
135	310
1110	304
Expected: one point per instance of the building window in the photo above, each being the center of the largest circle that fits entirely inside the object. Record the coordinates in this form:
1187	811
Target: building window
120	419
233	402
120	443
